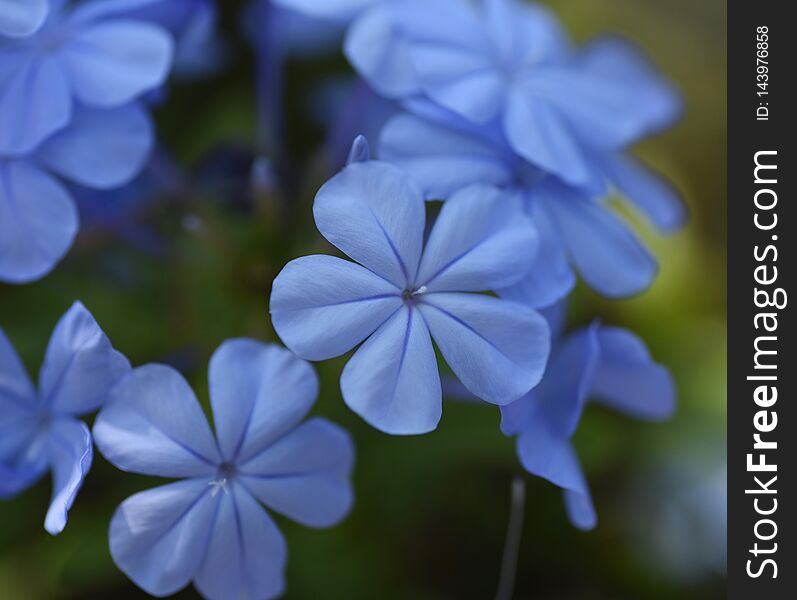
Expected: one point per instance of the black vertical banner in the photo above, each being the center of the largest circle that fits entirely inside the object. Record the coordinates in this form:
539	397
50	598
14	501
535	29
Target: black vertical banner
762	267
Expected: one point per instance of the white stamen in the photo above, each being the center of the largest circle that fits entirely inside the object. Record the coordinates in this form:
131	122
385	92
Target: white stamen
419	291
218	485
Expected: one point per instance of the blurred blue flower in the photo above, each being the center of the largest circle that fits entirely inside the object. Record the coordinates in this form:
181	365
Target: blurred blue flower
209	527
85	54
20	18
100	149
39	430
199	49
338	10
509	62
608	364
405	294
444	152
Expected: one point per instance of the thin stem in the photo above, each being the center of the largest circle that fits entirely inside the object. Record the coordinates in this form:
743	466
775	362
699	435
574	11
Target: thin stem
506	583
268	85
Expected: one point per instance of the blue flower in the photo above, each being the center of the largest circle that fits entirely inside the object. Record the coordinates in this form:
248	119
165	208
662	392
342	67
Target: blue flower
100	149
509	62
405	294
40	430
21	18
209	527
89	54
339	10
444	152
608	364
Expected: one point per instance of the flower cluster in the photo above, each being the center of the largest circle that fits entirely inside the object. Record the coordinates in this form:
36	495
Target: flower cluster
72	79
524	137
488	198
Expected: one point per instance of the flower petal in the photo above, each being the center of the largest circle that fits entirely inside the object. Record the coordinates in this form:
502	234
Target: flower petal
35	101
71	454
607	254
376	216
101	148
258	392
647	191
550	278
627	379
15	480
536	132
392	381
329	9
113	62
15	385
547	455
305	475
322	306
158	538
80	366
497	348
568	381
481	241
21	18
444	157
153	424
246	554
38	222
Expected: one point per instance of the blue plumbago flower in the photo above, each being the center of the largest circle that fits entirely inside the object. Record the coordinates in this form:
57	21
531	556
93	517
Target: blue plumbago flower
508	62
40	430
444	152
21	18
608	364
339	10
199	49
405	294
100	149
89	54
209	527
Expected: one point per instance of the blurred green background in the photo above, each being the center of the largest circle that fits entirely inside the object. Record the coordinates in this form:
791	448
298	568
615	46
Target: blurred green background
431	513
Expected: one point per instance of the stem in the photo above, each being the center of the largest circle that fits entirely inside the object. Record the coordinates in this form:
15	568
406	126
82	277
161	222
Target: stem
514	532
268	84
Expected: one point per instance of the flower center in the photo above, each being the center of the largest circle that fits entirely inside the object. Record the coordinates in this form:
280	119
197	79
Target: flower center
224	476
409	295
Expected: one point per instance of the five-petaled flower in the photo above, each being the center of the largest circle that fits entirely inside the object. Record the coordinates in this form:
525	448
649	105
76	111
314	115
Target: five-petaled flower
40	431
608	364
323	306
209	527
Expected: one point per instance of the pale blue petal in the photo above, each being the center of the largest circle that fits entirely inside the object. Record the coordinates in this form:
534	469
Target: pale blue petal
15	385
153	424
35	101
305	475
550	278
551	457
111	63
481	241
627	379
246	555
101	148
70	461
392	381
380	55
647	96
322	306
568	380
497	348
258	392
609	257
96	10
360	151
158	538
376	216
442	157
524	34
38	222
329	9
15	480
517	415
460	79
80	366
647	191
21	18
